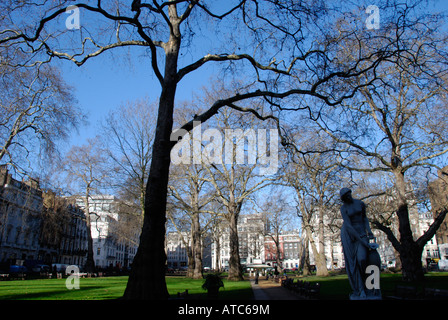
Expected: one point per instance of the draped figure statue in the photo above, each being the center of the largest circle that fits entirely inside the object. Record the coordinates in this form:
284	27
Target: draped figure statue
359	252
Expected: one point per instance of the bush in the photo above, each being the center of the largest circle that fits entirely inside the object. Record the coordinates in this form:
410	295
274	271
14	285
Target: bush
212	284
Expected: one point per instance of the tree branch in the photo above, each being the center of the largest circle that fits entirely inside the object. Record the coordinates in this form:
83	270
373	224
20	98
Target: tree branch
390	235
432	228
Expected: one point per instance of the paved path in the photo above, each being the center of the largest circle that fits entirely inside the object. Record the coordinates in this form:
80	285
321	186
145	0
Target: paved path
269	290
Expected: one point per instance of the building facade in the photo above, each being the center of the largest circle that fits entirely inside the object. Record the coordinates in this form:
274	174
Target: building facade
38	227
251	233
63	232
288	246
438	193
20	219
110	247
176	247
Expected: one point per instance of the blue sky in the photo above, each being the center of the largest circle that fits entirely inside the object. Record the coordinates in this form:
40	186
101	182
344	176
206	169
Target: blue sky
106	81
112	78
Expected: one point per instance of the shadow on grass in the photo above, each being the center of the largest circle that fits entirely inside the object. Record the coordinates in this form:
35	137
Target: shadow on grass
57	294
232	290
230	294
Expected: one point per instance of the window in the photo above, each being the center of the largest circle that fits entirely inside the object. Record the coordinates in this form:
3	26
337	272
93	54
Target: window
18	230
8	234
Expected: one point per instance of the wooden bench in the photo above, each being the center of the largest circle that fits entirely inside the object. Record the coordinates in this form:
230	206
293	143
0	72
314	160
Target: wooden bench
404	293
183	295
303	288
435	294
288	283
313	290
17	276
4	276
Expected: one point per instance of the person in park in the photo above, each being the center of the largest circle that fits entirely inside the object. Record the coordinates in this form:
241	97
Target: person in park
360	253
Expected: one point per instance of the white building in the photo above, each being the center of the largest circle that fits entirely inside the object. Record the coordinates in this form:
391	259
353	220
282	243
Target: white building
177	246
20	216
251	242
332	222
109	248
176	250
431	249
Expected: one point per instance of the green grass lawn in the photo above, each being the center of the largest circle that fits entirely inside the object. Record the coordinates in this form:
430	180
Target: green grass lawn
337	287
55	289
110	288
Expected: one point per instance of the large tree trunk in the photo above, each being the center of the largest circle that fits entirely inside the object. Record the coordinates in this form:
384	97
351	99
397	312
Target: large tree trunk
147	278
319	257
410	251
305	257
235	273
321	260
90	261
190	255
217	254
197	248
278	251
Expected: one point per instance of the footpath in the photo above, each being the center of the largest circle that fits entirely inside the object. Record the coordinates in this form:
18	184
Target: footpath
269	290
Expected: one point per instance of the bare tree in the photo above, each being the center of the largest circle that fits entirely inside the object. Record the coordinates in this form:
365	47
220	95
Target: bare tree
37	110
84	167
291	49
278	216
191	194
235	180
217	227
128	133
398	127
315	183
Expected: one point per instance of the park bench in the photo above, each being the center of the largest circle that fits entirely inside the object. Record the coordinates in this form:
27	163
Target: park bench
4	276
183	295
302	288
17	276
298	286
313	290
435	294
288	283
405	293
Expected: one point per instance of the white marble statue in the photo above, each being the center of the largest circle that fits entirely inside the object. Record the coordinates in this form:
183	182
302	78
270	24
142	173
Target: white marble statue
359	253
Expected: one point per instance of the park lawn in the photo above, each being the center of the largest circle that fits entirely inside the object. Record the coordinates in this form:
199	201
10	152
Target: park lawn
334	287
337	287
232	290
111	288
55	289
